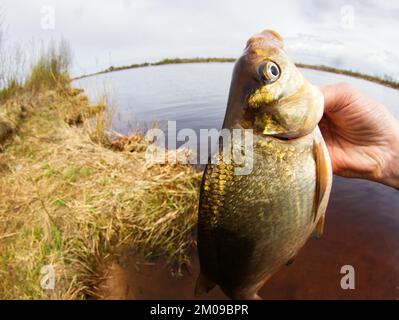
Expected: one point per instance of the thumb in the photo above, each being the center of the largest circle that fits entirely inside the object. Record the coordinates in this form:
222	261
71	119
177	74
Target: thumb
337	96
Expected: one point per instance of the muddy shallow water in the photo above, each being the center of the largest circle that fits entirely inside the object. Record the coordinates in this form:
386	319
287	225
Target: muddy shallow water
363	233
362	222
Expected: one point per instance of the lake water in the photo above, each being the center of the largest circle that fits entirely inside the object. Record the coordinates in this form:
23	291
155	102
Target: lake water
362	224
193	95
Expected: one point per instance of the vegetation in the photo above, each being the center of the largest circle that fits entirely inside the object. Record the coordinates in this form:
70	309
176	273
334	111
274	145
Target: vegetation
12	64
74	199
50	70
12	89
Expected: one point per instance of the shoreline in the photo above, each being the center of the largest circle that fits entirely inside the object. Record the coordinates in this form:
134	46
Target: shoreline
379	80
76	199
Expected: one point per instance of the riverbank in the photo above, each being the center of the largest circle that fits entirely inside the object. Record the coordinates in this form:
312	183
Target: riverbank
388	82
71	199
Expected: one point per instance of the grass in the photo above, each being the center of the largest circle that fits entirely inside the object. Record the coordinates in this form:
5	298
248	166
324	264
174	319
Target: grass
74	199
12	111
49	71
51	68
12	89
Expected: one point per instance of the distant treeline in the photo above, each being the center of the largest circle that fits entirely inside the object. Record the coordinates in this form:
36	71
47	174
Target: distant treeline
158	63
385	80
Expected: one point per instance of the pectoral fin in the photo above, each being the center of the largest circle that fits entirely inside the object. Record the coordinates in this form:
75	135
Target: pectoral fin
323	180
318	230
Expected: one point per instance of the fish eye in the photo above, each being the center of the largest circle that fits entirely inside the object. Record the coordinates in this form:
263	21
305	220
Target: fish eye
268	71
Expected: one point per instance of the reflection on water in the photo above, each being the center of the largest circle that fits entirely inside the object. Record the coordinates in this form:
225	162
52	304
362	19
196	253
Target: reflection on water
362	226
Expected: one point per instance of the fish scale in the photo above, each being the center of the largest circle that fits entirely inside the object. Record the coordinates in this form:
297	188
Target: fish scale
292	210
251	224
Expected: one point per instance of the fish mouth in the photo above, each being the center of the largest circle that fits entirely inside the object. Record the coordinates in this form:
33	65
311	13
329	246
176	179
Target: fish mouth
265	38
293	135
269	124
282	138
292	139
270	120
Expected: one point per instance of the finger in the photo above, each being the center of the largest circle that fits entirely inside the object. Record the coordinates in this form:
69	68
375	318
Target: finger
337	96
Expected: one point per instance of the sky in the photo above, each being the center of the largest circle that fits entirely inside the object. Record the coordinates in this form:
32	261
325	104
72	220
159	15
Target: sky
357	35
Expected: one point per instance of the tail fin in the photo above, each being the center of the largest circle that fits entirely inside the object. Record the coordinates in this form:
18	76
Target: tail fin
203	285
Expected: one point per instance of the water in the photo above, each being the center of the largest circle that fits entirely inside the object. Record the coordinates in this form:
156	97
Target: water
194	95
170	92
362	224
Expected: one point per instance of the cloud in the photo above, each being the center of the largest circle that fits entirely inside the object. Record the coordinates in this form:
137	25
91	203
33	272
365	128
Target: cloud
358	35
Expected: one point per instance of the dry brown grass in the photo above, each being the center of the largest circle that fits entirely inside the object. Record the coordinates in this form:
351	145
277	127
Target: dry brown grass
71	202
11	114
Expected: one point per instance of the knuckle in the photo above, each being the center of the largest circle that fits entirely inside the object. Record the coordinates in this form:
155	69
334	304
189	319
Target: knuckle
345	86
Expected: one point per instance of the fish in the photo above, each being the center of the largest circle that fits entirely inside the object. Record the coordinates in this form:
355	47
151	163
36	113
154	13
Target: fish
250	225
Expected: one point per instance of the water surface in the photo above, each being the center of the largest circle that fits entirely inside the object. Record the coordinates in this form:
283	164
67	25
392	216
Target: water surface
194	95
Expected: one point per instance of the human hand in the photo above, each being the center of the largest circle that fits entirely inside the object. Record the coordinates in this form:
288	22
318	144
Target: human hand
361	135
